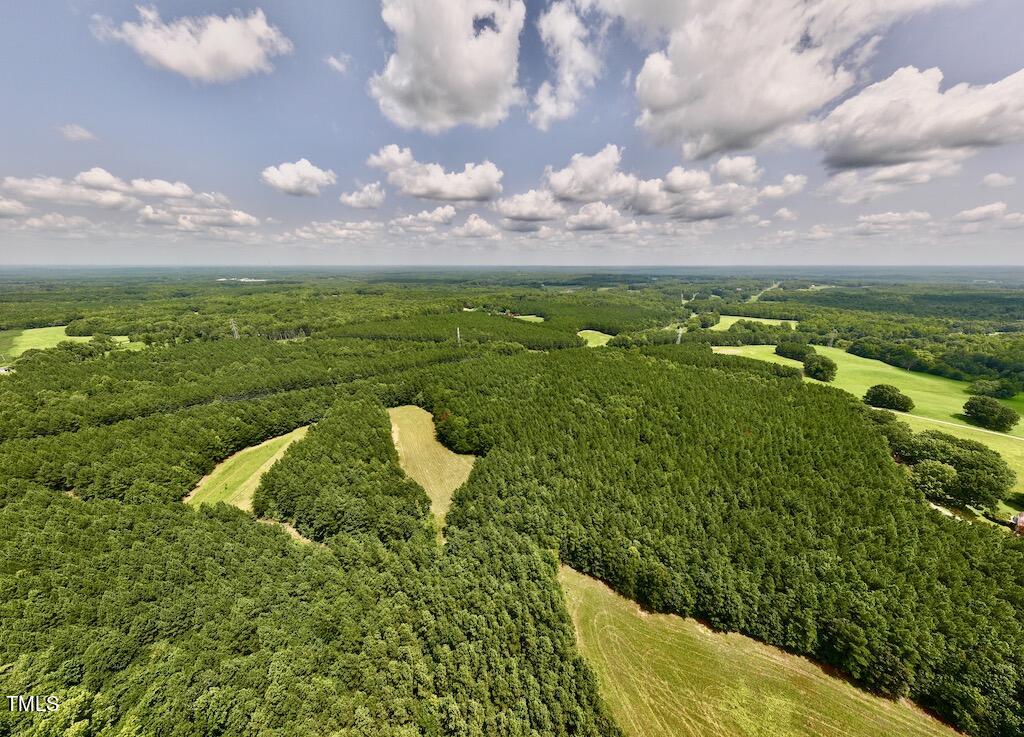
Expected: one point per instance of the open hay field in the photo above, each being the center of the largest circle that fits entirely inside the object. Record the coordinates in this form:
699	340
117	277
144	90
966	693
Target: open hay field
438	470
15	342
234	480
935	397
728	321
594	338
665	676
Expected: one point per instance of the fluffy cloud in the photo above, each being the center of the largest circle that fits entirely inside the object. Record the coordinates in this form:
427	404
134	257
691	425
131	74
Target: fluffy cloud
194	219
338	62
75	132
596	216
57	222
784	213
741	169
995	180
733	73
791	184
204	49
684	194
476	182
300	178
455	61
576	64
426	220
907	119
993	211
11	208
476	227
851	187
591	178
534	206
99	178
369	197
150	215
55	189
335	230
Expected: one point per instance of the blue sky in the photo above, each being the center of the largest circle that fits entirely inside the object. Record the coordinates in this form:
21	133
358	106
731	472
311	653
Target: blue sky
704	132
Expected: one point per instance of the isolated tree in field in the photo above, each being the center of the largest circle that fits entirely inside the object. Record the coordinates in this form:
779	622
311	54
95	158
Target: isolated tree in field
819	367
987	412
796	350
887	396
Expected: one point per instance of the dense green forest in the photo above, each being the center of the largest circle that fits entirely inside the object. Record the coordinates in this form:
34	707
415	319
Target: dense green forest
696	483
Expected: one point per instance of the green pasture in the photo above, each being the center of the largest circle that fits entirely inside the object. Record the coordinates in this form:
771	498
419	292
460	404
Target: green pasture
665	676
728	321
235	479
594	338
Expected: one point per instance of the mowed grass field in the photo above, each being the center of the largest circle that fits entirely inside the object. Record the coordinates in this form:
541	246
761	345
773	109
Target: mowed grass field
937	403
935	397
235	479
15	342
728	321
438	470
665	676
530	318
594	338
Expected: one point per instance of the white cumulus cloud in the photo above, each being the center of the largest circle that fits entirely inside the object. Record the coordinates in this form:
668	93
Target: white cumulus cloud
577	65
301	178
741	169
11	208
595	216
454	62
369	197
995	180
591	178
476	227
476	182
209	48
993	211
537	205
735	72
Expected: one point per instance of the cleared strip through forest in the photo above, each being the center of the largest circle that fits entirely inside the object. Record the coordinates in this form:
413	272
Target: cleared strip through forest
666	676
438	470
235	479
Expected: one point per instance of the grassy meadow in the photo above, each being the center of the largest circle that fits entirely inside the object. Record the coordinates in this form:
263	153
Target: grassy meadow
15	342
728	321
665	676
935	397
937	403
438	470
234	481
594	338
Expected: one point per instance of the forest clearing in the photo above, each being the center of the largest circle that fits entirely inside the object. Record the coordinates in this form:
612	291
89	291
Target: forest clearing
666	676
235	479
594	338
438	470
727	321
13	343
935	397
